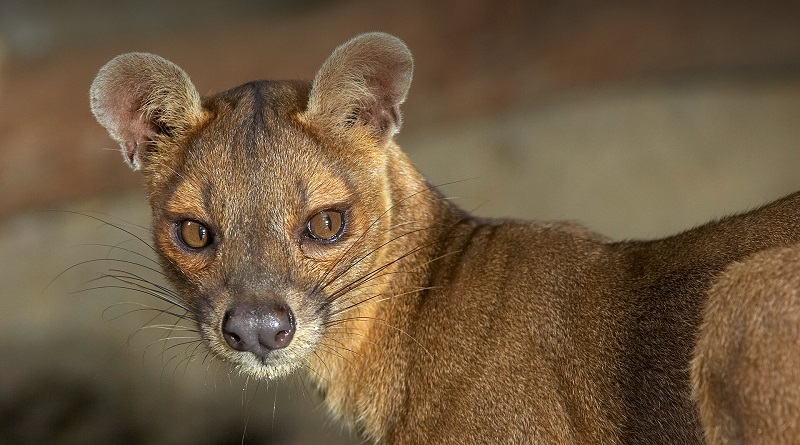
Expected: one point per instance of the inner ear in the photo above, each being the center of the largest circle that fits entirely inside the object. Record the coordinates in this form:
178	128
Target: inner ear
363	82
140	98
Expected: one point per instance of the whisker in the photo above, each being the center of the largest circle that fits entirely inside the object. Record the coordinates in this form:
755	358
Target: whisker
164	339
116	226
336	348
306	392
339	331
370	275
209	356
389	325
274	408
368	254
169	348
190	355
96	260
141	284
220	363
136	277
123	249
168	333
371	299
366	231
323	364
377	272
133	279
346	291
411	232
414	270
171	327
133	289
305	364
457	181
143	308
333	351
164	370
122	222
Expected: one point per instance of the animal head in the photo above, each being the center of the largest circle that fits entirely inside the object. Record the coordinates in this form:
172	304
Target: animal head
270	200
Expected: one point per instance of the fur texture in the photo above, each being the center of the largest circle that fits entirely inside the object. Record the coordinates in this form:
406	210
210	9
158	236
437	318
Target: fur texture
746	367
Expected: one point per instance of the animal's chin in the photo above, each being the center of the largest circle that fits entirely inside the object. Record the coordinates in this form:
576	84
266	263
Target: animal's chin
274	365
263	368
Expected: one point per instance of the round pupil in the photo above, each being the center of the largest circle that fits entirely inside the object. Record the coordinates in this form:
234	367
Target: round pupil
325	225
194	234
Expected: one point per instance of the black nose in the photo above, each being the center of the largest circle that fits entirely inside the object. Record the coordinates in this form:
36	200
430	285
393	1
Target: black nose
258	328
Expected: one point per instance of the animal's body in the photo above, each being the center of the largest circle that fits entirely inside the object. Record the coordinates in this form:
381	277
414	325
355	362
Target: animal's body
299	235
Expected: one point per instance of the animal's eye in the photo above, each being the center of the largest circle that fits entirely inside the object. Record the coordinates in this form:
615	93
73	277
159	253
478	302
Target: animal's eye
194	234
327	225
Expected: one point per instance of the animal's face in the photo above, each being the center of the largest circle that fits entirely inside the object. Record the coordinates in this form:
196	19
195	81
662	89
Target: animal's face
269	200
261	223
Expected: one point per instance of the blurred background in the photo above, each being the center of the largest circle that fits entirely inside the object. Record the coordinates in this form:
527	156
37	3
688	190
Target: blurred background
638	119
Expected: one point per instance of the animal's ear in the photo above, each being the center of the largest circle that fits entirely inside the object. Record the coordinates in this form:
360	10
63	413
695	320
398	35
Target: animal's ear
363	82
142	98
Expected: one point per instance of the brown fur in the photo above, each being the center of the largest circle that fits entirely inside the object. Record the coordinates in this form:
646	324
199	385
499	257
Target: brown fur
746	368
422	324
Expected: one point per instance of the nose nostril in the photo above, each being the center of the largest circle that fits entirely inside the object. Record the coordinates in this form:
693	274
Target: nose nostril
258	328
278	331
283	338
233	339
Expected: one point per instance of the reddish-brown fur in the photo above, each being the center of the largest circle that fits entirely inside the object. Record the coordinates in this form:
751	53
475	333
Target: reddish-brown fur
746	368
422	324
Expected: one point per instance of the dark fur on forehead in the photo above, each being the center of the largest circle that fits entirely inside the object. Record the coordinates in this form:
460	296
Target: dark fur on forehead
284	97
254	111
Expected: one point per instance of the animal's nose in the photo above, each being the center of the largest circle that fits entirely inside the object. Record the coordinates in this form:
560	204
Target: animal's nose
258	328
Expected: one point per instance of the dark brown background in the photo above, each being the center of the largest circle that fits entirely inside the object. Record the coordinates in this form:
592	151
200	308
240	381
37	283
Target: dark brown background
638	119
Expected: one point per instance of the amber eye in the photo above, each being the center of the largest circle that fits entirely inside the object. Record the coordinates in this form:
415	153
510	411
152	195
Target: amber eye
194	235
326	225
